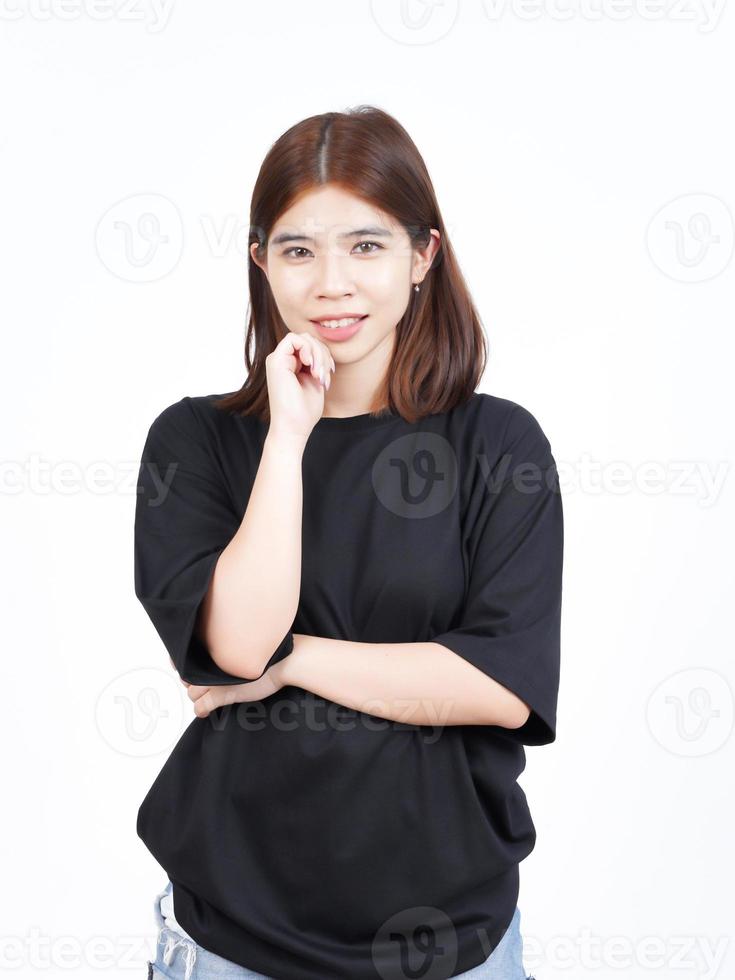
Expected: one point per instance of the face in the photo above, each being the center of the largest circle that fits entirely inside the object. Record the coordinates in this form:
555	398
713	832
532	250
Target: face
331	253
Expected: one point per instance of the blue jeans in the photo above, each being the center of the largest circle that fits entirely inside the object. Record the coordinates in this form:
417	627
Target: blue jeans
179	958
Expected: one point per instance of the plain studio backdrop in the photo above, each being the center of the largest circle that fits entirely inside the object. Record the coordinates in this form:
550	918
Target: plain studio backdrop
582	154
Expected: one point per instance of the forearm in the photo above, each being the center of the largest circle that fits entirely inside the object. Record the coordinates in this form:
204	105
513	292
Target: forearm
254	593
414	683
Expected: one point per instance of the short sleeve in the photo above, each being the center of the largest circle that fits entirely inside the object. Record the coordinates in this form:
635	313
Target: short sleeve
184	519
511	621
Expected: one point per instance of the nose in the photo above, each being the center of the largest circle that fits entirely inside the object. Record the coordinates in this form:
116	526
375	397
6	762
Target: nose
333	276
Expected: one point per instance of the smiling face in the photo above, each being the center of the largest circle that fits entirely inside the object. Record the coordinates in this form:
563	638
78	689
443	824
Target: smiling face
331	253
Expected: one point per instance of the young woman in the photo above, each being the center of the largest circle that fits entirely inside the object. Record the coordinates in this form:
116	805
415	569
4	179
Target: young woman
355	564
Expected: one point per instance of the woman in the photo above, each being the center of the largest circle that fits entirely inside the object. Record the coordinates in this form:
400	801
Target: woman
355	565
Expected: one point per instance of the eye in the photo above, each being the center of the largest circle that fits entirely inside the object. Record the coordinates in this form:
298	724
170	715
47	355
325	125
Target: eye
291	252
374	244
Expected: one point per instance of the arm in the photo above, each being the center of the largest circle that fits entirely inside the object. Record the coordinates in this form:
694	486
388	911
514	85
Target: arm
186	521
254	593
414	683
498	663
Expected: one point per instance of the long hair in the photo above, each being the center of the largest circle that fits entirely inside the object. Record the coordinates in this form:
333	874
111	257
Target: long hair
440	349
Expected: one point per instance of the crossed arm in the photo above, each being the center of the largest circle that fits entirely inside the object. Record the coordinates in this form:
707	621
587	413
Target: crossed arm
253	597
412	683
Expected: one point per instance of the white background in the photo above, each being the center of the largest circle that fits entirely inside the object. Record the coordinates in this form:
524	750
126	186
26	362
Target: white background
583	159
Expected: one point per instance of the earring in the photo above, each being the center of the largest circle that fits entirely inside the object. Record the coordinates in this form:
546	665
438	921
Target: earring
416	287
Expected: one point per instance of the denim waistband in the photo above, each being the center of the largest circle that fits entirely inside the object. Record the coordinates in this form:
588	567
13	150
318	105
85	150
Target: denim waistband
171	939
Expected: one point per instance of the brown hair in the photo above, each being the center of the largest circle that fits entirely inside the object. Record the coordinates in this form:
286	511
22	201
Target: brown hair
440	349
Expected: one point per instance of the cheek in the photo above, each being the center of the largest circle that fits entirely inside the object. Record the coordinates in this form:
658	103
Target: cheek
389	278
288	285
387	291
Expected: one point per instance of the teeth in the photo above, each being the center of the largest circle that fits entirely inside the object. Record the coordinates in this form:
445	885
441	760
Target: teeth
333	324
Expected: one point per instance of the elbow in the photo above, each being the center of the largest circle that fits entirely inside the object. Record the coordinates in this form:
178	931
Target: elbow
241	661
517	714
242	655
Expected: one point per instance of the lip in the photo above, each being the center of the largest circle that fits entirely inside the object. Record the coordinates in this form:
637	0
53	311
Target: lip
339	333
336	316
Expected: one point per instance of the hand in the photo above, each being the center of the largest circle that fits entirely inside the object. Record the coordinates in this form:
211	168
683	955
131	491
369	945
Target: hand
295	392
206	699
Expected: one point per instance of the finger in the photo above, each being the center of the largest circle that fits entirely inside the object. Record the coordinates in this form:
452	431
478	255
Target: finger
208	702
314	355
322	363
301	345
195	691
201	708
319	359
316	362
326	357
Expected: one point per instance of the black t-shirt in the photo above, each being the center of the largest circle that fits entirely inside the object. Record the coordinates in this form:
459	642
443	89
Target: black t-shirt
306	840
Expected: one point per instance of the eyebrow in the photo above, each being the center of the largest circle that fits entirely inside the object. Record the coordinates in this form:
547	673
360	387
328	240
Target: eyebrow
375	230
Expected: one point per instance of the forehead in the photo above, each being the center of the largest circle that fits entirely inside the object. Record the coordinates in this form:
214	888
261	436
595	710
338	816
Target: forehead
328	212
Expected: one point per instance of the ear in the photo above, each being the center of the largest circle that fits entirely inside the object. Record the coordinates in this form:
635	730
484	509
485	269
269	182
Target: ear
261	263
423	257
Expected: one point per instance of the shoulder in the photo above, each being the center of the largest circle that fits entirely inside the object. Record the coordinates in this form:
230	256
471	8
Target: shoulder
195	432
197	417
507	427
185	425
174	426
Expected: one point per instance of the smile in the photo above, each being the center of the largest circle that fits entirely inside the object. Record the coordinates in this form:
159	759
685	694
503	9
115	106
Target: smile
341	329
